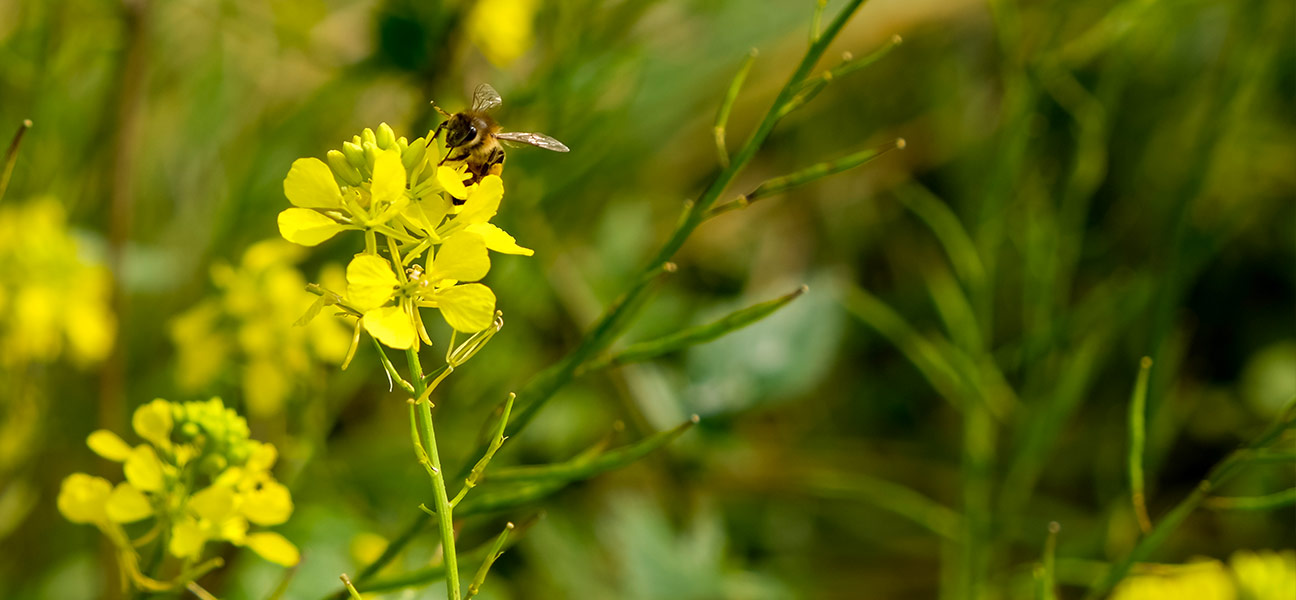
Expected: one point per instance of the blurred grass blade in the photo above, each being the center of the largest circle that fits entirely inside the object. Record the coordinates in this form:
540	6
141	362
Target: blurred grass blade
1281	499
919	350
695	335
496	549
1046	572
11	156
888	496
949	231
954	308
782	184
1137	437
726	106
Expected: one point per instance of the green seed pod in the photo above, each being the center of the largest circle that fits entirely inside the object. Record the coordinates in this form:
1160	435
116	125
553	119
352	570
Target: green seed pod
354	154
343	169
386	137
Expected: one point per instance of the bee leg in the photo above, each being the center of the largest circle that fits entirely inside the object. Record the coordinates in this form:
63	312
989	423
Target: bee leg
435	132
457	158
494	163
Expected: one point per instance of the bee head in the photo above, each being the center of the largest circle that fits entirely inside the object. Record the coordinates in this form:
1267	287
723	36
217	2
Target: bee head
460	131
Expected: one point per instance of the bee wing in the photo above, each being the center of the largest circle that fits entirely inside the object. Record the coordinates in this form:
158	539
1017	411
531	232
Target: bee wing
485	98
539	140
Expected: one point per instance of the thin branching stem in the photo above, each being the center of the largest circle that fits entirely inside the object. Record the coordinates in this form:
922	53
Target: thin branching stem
445	519
1137	437
11	156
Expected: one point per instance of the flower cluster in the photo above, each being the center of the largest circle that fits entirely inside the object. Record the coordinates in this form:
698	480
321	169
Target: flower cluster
1248	576
248	326
198	477
53	300
433	220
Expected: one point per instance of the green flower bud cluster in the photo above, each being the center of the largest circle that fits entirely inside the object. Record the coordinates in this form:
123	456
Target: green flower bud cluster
354	164
219	434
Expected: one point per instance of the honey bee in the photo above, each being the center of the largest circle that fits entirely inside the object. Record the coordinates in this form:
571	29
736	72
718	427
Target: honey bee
474	137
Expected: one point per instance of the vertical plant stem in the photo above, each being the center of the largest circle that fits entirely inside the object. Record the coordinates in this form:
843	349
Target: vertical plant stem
1137	435
445	519
978	454
11	156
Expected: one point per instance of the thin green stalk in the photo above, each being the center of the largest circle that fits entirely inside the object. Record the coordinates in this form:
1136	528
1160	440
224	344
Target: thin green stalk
11	156
496	549
391	370
1218	476
497	440
1046	571
350	588
889	496
778	185
693	335
444	516
1281	499
978	457
726	106
1137	435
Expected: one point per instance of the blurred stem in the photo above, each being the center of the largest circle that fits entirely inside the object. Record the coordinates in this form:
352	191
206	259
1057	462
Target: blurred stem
978	457
1137	435
1218	475
445	519
346	581
726	106
1046	575
1266	502
11	156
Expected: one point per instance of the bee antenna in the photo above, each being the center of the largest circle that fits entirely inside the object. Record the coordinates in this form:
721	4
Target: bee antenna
440	110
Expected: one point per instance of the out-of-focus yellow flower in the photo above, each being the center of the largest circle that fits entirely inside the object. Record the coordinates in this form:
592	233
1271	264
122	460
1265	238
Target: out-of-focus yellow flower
53	300
502	29
247	329
198	474
1205	580
1265	575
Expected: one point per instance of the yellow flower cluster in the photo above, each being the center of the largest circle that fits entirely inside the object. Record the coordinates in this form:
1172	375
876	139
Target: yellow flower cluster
502	29
198	477
1263	575
436	232
53	301
248	326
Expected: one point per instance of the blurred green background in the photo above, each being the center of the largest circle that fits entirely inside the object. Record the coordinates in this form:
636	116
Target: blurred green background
1084	184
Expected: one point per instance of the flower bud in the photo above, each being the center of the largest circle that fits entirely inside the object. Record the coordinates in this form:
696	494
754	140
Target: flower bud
342	169
368	136
354	154
370	153
412	155
386	138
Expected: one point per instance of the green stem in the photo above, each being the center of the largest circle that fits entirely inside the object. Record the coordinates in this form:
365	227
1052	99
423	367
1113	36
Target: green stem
444	517
11	156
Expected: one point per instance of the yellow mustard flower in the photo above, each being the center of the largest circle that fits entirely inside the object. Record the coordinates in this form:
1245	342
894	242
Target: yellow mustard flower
198	477
1265	575
55	302
502	29
1204	580
246	329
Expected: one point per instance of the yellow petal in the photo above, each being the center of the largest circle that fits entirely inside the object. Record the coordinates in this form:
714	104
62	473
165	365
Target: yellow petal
310	184
153	422
483	202
268	504
262	457
462	257
83	498
274	548
106	444
143	469
126	504
187	539
307	227
370	281
214	503
468	308
391	326
498	240
388	187
451	181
